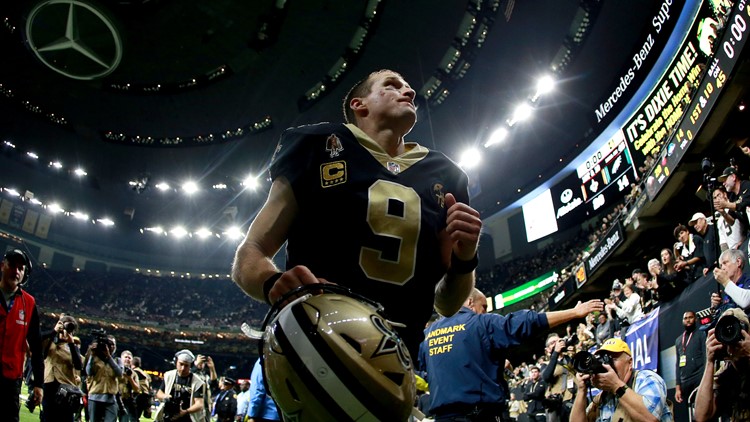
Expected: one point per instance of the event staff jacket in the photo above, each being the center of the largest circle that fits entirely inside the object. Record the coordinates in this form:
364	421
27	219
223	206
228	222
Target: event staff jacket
19	323
462	355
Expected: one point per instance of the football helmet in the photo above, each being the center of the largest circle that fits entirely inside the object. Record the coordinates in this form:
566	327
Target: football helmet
332	356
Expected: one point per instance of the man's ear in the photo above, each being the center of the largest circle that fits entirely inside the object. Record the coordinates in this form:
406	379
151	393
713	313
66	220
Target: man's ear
357	105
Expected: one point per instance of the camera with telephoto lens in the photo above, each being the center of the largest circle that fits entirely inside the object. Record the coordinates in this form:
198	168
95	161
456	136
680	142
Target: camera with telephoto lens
173	405
587	363
729	329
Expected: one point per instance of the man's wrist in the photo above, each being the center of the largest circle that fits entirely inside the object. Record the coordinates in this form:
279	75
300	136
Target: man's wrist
459	266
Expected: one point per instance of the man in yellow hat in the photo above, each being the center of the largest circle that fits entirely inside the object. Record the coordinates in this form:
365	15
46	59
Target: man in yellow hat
626	394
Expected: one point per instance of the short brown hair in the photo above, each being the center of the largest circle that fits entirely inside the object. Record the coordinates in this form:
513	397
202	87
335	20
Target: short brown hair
360	89
678	229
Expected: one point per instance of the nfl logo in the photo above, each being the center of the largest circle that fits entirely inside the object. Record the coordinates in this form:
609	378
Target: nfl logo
394	167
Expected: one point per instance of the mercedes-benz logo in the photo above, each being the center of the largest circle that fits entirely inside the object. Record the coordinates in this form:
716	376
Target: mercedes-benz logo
74	38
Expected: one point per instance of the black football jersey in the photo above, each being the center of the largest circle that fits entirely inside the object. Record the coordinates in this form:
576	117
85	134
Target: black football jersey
369	221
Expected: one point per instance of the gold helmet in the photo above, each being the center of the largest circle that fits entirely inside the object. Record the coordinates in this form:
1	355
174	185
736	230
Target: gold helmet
334	357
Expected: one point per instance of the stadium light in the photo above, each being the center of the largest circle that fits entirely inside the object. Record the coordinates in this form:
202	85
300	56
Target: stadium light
233	233
106	222
162	186
80	172
190	187
178	232
470	158
250	182
544	85
521	113
497	136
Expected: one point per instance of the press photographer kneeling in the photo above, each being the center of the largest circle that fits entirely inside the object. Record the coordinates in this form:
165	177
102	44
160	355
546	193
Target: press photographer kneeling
725	384
626	395
62	364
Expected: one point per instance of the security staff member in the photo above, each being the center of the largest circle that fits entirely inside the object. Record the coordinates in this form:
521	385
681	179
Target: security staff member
19	332
462	356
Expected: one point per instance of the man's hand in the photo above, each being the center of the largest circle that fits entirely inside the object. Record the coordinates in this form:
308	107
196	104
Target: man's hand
581	380
722	276
559	346
677	394
463	227
38	395
210	362
680	265
712	345
607	381
584	308
741	349
291	279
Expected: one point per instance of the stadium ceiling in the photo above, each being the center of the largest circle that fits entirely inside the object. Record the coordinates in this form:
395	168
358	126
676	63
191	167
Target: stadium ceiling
163	90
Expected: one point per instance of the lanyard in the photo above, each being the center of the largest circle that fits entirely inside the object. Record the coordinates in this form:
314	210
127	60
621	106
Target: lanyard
684	346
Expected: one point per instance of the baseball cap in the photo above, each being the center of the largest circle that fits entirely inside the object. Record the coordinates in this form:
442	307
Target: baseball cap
614	345
696	217
185	355
726	173
14	255
616	285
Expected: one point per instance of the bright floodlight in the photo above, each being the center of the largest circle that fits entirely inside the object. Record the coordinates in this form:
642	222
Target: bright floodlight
544	85
233	233
497	136
162	186
80	215
157	229
250	182
56	165
203	233
105	222
12	192
80	172
55	208
190	187
32	155
470	158
522	112
178	232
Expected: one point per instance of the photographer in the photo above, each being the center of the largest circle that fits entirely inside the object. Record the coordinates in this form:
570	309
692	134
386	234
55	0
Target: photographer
62	362
626	394
103	372
129	388
727	388
559	379
182	392
205	369
730	275
143	399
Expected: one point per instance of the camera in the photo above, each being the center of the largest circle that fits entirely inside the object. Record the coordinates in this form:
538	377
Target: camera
729	329
101	337
69	327
30	403
173	405
587	363
571	340
127	371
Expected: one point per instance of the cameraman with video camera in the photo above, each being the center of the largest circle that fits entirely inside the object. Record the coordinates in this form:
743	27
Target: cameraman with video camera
103	373
182	392
626	394
725	386
62	362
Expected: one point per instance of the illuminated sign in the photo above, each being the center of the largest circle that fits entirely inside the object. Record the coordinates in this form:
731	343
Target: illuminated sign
650	126
653	41
529	289
580	276
609	243
718	70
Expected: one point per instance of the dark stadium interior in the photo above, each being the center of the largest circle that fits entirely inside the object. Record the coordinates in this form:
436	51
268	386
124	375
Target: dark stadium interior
195	73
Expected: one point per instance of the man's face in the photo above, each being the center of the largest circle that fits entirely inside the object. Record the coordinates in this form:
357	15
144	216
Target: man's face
13	271
479	305
719	195
621	364
729	182
731	266
534	374
391	98
602	318
700	225
688	319
244	385
127	359
183	368
551	343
